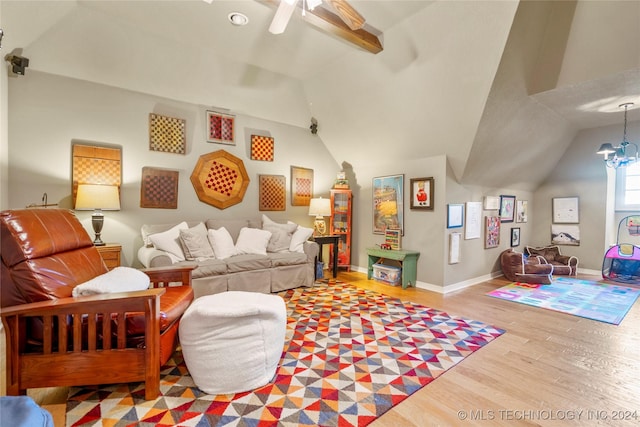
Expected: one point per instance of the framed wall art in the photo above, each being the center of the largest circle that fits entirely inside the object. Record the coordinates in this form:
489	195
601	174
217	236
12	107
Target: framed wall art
565	235
565	210
455	215
167	134
94	164
159	188
220	179
491	203
388	203
272	192
220	128
301	186
491	231
422	193
521	211
262	148
515	237
454	248
473	228
507	208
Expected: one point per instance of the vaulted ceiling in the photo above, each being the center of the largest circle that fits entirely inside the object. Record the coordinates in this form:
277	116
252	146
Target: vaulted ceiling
483	82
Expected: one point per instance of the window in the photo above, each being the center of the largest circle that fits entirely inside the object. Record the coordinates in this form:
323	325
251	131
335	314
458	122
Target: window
628	188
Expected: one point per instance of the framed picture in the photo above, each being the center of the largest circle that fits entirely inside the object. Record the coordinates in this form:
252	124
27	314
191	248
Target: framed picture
491	232
388	203
301	186
521	211
491	203
507	208
220	128
454	248
159	188
473	227
565	235
515	237
272	193
167	134
262	148
565	210
422	193
455	215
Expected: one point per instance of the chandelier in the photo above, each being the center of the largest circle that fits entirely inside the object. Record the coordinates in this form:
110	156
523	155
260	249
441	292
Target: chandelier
623	155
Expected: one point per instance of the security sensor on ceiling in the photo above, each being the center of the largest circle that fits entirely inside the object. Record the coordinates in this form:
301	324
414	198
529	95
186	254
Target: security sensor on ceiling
18	63
314	125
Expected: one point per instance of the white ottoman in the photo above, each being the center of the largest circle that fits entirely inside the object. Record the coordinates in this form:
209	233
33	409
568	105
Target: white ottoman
232	341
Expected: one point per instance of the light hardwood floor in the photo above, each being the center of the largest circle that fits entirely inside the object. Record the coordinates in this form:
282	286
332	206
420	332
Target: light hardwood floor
548	369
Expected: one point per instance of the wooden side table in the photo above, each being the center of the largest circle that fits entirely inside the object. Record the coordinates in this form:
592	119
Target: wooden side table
332	240
408	261
110	253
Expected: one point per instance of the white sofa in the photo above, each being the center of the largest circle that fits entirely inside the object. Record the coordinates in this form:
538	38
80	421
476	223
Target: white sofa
234	254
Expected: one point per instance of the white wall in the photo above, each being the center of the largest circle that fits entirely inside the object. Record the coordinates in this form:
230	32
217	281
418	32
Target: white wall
48	113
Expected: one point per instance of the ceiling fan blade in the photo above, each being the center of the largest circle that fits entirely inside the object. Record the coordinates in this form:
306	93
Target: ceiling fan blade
282	16
349	15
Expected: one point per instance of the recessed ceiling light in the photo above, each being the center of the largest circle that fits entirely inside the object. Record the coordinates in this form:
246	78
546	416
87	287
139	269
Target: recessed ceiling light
237	18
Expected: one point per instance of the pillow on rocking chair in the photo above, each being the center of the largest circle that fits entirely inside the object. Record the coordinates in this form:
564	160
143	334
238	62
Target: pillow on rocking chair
120	279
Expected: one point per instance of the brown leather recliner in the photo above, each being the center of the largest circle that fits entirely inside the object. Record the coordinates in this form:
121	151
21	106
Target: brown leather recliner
520	268
54	339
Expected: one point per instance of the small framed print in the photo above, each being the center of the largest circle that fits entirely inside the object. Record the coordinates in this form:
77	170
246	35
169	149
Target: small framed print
566	210
491	203
262	148
422	193
301	186
491	232
521	211
515	237
220	128
507	208
455	215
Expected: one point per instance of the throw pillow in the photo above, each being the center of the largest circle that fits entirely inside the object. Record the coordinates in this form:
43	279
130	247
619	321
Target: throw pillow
221	242
300	236
280	234
195	243
253	241
169	241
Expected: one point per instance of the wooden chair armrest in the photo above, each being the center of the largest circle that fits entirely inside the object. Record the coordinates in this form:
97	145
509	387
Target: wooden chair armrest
163	276
83	304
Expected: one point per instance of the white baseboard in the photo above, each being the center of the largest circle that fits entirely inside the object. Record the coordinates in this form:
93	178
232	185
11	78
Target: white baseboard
449	288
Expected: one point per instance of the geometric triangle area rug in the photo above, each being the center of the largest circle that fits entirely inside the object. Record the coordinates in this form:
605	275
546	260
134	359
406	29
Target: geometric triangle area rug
603	302
350	355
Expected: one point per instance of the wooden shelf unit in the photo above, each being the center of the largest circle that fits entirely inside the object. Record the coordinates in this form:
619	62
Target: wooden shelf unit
340	224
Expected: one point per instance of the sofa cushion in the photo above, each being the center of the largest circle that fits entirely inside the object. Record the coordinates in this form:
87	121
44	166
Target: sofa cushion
298	238
233	226
286	258
209	267
222	243
280	234
195	243
247	262
253	241
169	241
